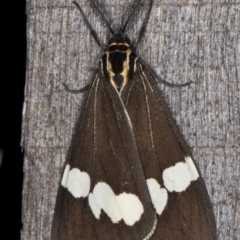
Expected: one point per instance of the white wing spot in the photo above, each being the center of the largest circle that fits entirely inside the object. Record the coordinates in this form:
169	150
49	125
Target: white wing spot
107	201
158	195
192	168
124	206
77	182
65	176
177	178
130	206
96	209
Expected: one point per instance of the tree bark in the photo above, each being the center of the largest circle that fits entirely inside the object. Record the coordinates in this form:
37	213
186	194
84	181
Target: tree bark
185	41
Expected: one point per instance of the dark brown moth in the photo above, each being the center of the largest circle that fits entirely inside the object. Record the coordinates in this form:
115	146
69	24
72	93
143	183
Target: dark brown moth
129	173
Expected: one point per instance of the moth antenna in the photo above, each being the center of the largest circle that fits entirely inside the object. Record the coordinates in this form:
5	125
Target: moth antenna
94	34
144	25
93	4
133	12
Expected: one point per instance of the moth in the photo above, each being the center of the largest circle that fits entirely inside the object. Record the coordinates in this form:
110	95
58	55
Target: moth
129	173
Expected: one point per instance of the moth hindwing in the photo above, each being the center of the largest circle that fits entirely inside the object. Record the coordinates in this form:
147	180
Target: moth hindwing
129	173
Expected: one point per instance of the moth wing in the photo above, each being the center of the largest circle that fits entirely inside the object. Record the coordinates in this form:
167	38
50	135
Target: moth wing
103	192
177	190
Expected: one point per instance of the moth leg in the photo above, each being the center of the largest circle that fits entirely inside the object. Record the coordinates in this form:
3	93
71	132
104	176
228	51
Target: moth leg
92	31
144	25
75	91
152	72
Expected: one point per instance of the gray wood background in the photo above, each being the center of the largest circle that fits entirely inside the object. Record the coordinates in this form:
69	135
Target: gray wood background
185	40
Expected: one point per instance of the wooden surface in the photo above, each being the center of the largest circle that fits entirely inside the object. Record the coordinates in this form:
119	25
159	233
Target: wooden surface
185	41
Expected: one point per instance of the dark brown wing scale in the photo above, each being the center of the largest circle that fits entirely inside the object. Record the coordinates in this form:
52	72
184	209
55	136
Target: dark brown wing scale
108	153
188	215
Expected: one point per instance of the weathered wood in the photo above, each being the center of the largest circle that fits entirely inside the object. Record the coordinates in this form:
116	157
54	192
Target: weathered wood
193	40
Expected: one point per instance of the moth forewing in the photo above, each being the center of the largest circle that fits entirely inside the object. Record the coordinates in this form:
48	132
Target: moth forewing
129	173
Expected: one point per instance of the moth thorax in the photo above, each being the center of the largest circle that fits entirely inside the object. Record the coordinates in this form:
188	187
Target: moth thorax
118	64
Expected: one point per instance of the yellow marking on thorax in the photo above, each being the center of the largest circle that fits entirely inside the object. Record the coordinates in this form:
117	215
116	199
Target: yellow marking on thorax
119	44
125	73
128	51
